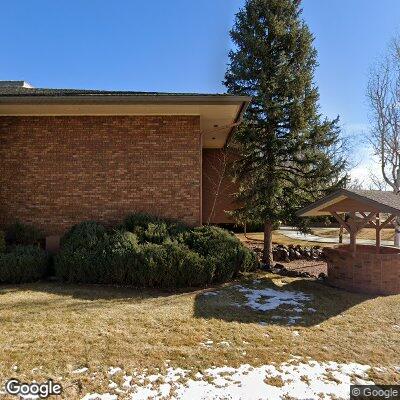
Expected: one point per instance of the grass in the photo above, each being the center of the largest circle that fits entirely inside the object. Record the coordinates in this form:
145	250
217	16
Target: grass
366	233
49	329
278	238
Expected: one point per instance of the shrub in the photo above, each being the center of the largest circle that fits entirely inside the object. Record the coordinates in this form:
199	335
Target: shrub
23	234
2	242
170	265
155	233
221	248
91	255
150	229
84	235
23	264
138	220
159	254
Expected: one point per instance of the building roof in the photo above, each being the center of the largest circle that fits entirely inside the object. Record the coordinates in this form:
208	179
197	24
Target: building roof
25	89
219	114
354	200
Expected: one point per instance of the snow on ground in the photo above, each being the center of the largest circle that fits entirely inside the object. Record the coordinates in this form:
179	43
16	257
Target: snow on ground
270	299
294	379
104	396
80	370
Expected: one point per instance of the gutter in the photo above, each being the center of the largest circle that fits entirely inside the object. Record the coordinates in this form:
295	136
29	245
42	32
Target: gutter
125	99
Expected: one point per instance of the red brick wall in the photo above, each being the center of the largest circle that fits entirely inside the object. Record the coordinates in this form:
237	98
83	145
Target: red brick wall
58	171
365	271
213	160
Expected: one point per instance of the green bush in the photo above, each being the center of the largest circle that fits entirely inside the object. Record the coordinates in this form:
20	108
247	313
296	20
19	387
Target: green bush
23	264
155	233
23	234
84	235
150	229
89	254
138	220
154	253
170	265
221	248
2	242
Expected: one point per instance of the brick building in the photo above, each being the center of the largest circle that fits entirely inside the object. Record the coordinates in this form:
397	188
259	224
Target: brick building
73	155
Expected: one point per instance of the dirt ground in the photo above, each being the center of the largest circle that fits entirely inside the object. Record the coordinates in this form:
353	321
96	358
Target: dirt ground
313	267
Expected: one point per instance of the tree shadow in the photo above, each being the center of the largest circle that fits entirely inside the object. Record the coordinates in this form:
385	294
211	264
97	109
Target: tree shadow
93	292
292	302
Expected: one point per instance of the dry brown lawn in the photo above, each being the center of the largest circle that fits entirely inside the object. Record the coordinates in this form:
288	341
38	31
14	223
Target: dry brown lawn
50	329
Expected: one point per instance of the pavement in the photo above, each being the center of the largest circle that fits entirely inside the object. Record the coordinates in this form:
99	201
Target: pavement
293	233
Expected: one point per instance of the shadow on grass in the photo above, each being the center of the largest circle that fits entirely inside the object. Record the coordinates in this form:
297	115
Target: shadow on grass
223	302
318	302
93	292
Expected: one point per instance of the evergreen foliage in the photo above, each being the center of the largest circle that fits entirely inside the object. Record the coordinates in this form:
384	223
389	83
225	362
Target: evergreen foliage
289	154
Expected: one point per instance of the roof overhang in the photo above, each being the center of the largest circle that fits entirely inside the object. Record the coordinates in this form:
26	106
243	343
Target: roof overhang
343	201
219	114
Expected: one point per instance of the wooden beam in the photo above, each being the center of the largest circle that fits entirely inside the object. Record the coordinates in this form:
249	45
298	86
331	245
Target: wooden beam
341	221
388	221
367	219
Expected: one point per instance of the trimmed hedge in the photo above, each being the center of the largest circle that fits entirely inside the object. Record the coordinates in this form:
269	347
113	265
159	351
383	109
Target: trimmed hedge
23	264
151	253
221	248
91	255
23	234
2	242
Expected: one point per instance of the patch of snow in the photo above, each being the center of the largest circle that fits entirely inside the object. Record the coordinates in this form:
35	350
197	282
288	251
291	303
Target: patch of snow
310	309
127	381
104	396
224	343
296	333
80	370
207	343
270	299
302	380
152	378
114	370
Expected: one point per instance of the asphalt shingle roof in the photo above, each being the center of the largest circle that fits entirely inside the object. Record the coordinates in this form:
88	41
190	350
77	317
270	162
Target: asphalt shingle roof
26	91
385	201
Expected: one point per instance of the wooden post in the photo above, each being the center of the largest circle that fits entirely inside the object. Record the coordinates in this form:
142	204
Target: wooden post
378	233
353	232
341	234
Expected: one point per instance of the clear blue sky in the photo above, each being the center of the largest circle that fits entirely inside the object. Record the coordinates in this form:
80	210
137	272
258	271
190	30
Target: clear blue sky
181	45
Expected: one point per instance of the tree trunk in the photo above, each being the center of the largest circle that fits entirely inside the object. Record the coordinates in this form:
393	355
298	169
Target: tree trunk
267	253
397	232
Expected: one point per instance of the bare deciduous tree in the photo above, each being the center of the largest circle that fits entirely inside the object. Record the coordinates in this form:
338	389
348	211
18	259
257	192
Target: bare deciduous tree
218	179
383	95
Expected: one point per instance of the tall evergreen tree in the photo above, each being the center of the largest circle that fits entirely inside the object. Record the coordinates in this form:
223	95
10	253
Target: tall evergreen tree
288	151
